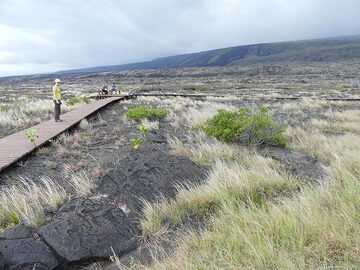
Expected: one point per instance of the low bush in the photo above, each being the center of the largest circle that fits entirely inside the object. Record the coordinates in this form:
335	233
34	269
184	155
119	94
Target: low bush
246	126
75	100
146	112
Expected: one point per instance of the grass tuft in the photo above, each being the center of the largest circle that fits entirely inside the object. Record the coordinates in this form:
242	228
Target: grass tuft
227	183
28	201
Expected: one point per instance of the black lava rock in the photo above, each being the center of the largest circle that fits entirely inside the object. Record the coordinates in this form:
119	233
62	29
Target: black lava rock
88	228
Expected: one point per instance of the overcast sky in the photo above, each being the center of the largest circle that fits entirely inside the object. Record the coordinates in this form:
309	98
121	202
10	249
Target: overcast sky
38	36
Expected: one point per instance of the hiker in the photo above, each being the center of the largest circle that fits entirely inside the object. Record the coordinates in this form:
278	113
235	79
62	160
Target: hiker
57	99
113	88
104	90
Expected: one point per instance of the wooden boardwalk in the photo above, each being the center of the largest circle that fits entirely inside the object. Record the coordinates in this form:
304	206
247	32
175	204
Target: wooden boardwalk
17	145
220	95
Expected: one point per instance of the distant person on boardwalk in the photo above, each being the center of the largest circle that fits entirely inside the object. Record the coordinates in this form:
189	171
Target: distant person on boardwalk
57	99
104	90
113	88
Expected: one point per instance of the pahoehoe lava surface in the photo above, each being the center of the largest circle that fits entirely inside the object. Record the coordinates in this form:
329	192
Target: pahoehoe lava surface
148	173
87	228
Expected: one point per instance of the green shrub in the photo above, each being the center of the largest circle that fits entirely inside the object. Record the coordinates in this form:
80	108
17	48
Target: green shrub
243	125
146	112
75	100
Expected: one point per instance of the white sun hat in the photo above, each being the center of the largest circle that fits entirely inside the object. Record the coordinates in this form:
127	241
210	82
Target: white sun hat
57	80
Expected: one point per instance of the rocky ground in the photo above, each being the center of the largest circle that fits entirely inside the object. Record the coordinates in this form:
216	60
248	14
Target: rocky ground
88	229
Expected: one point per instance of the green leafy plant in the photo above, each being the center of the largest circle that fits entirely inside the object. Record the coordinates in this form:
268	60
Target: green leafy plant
32	135
135	143
246	126
146	112
75	100
144	130
13	218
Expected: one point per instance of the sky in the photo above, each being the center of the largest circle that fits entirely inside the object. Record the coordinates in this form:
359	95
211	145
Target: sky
41	36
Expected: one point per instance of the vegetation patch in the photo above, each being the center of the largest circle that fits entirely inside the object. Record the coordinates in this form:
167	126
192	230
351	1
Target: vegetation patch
75	100
29	202
25	112
228	183
32	135
4	107
316	230
146	112
246	126
136	142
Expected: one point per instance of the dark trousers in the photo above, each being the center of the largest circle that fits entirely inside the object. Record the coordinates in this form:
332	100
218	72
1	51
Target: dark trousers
57	110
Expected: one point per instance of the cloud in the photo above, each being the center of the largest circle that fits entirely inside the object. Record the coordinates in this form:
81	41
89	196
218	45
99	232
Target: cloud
43	36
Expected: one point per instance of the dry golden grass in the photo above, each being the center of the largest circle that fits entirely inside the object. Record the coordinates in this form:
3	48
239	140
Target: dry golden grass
27	201
99	171
227	183
222	99
43	151
205	150
85	125
308	141
319	146
50	164
75	139
206	110
305	104
81	182
347	121
26	112
317	228
306	233
347	115
62	151
150	125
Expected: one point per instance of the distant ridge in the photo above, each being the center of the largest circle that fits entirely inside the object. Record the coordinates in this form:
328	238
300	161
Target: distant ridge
316	50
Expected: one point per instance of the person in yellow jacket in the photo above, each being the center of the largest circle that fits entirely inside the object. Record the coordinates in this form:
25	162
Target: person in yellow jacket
57	99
